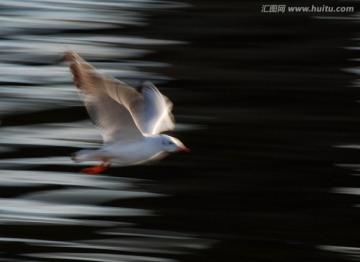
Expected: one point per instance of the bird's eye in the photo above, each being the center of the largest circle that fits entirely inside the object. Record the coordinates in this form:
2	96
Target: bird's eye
167	143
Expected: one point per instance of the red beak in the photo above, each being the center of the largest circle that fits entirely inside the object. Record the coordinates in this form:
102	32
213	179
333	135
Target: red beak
184	149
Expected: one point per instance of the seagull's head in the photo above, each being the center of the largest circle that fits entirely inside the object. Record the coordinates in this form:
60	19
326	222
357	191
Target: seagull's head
171	144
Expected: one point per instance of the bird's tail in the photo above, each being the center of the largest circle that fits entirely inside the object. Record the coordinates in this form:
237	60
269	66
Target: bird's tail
84	155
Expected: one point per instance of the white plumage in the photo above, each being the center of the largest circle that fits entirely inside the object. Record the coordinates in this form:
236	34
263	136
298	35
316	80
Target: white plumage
130	121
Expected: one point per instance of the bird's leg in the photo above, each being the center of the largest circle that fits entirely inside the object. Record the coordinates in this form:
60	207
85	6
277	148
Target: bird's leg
96	169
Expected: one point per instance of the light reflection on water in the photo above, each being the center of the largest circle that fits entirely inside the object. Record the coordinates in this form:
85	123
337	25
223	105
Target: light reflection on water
75	134
98	257
34	79
352	253
26	178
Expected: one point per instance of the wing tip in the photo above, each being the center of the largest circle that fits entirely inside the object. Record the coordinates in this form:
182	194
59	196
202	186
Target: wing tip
76	75
147	83
73	58
70	55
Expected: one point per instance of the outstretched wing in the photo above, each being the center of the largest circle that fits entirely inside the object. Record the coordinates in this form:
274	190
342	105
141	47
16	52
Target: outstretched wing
109	102
119	110
156	116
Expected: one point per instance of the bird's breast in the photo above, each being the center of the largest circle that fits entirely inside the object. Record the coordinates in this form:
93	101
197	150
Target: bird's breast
131	153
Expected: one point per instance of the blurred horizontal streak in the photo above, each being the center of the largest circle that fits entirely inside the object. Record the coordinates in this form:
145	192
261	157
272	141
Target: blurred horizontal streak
35	178
349	146
18	104
39	24
139	245
104	257
158	238
100	39
16	260
139	4
43	208
26	162
352	253
48	16
6	149
18	94
33	74
347	190
34	241
355	167
40	50
86	196
31	220
75	134
139	232
28	240
134	245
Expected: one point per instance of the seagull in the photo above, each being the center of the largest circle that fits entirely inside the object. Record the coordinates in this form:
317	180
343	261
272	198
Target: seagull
130	121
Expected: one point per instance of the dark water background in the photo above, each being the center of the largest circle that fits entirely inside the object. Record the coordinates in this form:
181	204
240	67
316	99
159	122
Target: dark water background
267	103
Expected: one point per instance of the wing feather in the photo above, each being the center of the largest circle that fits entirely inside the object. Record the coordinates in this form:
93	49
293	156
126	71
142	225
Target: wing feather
120	111
156	116
107	100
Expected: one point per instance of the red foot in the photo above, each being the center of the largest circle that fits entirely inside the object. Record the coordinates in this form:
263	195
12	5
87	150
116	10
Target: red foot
95	169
